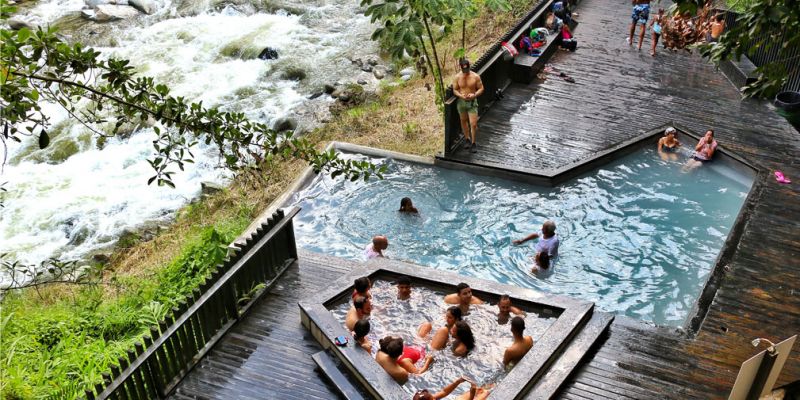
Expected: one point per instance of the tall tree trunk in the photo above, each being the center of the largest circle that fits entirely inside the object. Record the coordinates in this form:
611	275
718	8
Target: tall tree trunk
463	37
435	54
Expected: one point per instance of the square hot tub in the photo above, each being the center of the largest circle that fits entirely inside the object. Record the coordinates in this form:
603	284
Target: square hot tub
570	315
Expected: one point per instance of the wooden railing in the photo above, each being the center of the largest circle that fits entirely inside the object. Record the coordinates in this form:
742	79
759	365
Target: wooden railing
154	367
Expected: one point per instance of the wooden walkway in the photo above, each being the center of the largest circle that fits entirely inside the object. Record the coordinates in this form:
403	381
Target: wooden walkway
268	354
619	93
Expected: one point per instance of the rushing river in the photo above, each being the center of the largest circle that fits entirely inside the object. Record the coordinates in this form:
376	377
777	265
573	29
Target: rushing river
77	196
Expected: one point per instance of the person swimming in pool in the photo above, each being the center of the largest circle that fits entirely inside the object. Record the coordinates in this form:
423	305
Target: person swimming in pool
442	335
361	287
668	145
703	152
376	248
406	206
548	244
462	297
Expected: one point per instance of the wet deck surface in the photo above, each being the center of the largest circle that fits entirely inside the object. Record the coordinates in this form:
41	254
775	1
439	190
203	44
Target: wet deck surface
619	93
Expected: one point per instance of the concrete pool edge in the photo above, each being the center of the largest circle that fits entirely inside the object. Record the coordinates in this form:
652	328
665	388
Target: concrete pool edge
323	326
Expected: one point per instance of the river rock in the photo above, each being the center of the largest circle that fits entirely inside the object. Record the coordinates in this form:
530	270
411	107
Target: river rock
101	258
379	72
362	81
145	6
110	12
408	71
281	124
366	68
209	188
328	88
268	54
17	24
372	61
405	78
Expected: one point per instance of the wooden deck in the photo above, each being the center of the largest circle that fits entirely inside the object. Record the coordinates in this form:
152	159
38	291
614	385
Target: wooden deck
619	93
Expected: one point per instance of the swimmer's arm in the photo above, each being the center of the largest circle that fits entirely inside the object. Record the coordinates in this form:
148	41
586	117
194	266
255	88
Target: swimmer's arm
428	362
710	151
449	388
699	145
507	356
526	238
451	298
475	300
660	144
517	311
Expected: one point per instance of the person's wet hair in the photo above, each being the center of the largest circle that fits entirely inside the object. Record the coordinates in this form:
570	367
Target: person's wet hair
383	344
463	62
711	131
361	328
517	325
544	260
464	334
394	348
359	302
404	280
423	394
455	312
720	17
361	284
461	286
405	203
505	297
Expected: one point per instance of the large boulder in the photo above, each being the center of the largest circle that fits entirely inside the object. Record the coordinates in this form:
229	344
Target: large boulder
281	124
110	12
17	24
145	6
268	54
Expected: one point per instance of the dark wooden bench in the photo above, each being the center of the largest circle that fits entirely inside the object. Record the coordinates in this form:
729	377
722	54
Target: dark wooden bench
526	67
329	366
741	73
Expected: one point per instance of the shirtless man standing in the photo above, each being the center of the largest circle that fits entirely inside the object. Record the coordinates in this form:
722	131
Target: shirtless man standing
468	87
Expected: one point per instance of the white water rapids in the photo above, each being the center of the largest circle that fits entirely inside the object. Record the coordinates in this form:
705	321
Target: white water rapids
75	197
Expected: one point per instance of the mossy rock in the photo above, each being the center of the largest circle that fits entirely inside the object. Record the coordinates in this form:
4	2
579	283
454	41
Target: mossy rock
241	50
294	73
245	92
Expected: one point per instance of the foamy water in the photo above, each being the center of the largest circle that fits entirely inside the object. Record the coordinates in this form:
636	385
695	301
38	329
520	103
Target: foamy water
66	205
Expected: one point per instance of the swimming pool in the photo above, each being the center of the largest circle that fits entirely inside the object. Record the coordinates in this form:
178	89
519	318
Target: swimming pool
483	364
638	236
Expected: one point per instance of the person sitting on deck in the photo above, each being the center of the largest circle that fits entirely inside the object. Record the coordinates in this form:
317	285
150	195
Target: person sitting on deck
463	340
360	332
521	345
505	309
361	287
561	9
668	145
403	288
463	297
547	244
362	307
439	340
474	393
406	206
376	248
389	358
703	152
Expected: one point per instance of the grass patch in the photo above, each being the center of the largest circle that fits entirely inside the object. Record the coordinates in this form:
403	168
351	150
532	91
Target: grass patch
59	338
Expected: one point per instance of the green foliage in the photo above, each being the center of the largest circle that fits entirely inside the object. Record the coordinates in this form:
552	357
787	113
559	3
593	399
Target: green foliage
58	350
764	25
38	67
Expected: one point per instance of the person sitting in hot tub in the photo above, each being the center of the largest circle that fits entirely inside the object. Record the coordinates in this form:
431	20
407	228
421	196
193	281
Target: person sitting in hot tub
376	248
505	309
548	244
463	340
521	345
392	356
703	152
360	332
462	297
668	145
440	338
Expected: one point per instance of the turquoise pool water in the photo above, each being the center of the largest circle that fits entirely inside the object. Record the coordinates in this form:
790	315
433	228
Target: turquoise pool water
638	236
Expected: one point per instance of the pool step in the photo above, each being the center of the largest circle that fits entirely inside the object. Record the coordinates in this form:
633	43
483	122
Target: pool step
330	368
571	357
